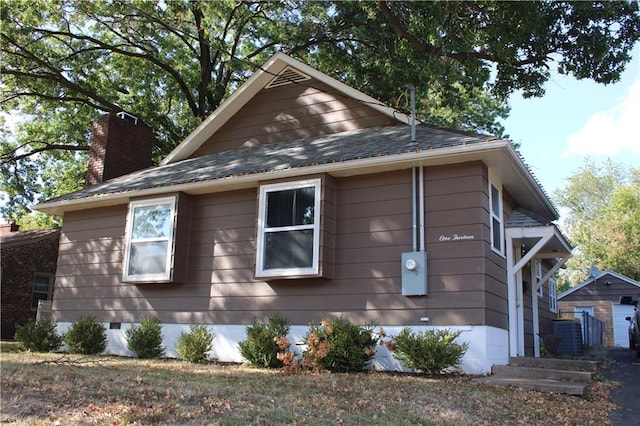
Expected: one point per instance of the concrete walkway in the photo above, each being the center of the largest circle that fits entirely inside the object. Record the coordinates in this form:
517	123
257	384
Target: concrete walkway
626	371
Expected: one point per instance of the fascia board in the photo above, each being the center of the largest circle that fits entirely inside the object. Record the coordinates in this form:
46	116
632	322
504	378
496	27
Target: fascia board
347	90
560	236
534	186
530	231
251	87
225	111
619	276
592	280
448	155
441	156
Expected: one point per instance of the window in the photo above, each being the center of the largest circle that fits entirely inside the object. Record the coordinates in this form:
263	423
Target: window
539	278
42	289
553	296
149	240
495	199
288	229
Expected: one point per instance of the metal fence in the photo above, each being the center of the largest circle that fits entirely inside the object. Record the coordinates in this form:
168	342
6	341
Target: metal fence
592	330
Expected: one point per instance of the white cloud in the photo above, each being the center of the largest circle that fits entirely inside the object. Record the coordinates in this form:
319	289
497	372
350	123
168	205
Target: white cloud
610	132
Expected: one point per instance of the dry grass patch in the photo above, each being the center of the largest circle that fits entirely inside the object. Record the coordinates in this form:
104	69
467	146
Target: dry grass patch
121	391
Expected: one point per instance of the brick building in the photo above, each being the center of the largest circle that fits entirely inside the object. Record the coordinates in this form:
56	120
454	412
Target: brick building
28	267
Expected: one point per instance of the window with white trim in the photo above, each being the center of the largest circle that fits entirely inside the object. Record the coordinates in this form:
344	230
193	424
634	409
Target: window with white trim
149	240
553	295
540	290
288	229
42	289
497	230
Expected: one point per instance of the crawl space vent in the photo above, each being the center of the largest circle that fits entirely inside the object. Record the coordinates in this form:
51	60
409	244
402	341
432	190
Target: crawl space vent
287	76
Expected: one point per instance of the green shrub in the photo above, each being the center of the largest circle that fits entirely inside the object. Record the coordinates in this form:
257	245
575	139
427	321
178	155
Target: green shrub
146	340
339	346
261	348
86	336
431	351
38	336
193	346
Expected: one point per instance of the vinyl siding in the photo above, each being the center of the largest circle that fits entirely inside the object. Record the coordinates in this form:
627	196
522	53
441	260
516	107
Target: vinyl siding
466	279
289	112
367	225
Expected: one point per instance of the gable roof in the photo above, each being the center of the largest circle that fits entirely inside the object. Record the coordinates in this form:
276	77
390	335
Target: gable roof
347	153
595	279
278	67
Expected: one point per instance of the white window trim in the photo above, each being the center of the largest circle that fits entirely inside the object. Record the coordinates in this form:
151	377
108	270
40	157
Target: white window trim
166	276
262	212
553	296
538	272
499	217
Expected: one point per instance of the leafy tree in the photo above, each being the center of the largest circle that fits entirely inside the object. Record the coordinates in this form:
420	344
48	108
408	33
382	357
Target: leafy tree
603	201
172	63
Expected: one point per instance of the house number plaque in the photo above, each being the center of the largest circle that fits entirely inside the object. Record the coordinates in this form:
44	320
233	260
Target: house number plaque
456	237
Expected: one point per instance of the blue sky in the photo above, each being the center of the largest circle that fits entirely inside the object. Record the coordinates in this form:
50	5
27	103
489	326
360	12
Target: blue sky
578	119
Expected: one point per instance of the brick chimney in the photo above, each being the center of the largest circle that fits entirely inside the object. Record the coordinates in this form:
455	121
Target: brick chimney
120	144
9	227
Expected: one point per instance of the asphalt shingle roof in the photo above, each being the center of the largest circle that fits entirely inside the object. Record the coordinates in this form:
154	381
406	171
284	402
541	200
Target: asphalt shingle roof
526	219
340	147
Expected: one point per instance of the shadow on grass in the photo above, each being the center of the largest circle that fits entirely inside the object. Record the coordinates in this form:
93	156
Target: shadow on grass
74	389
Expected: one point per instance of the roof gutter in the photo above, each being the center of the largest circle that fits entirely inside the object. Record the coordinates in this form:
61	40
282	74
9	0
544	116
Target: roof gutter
527	175
409	159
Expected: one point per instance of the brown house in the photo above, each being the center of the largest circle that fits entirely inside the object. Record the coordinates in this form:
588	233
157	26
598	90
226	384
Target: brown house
600	296
305	197
28	267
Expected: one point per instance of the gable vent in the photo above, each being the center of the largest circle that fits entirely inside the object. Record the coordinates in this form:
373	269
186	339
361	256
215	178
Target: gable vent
287	76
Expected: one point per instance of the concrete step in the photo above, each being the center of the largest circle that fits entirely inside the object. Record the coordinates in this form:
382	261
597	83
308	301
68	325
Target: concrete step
544	374
554	364
540	373
544	385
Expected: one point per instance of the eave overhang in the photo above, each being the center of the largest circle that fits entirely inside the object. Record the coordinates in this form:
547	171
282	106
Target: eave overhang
498	155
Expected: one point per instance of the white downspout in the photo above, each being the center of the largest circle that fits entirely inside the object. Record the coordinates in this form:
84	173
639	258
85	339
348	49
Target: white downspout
421	207
418	216
414	220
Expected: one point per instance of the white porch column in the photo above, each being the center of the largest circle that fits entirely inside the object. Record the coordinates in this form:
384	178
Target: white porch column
512	299
520	305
